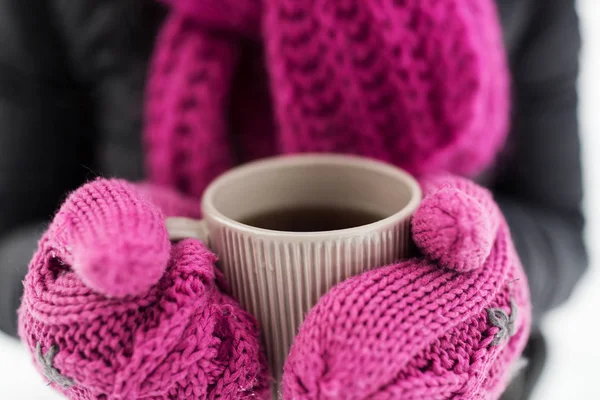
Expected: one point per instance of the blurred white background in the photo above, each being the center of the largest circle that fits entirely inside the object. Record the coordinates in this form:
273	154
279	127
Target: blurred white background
572	331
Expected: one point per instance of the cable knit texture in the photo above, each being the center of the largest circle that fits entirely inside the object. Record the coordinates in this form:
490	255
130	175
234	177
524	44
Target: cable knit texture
421	329
112	310
422	84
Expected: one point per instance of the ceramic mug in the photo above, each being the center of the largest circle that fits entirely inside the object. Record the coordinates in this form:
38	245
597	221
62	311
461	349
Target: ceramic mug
278	276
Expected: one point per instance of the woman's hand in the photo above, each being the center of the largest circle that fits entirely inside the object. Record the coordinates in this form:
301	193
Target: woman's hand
112	309
447	324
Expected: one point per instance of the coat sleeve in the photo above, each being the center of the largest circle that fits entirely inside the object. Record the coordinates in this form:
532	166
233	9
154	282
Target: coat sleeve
72	79
540	187
109	43
45	139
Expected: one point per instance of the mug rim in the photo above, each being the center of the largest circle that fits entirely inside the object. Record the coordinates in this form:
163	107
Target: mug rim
210	211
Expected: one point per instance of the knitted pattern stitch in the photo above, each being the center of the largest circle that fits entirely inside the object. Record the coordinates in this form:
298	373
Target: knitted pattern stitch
422	84
112	310
434	327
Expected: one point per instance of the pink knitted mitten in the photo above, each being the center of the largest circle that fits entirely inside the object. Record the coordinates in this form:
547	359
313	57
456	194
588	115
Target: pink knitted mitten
447	325
112	310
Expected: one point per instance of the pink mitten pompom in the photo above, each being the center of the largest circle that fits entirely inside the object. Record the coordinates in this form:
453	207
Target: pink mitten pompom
456	223
113	238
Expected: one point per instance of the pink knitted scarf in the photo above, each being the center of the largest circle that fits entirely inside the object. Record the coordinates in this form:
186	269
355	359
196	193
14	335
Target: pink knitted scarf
422	84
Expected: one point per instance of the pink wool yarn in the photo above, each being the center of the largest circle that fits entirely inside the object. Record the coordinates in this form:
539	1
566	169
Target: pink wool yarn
422	84
456	227
435	327
112	310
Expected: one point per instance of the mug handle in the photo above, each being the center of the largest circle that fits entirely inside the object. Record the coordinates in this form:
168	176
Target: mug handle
185	228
